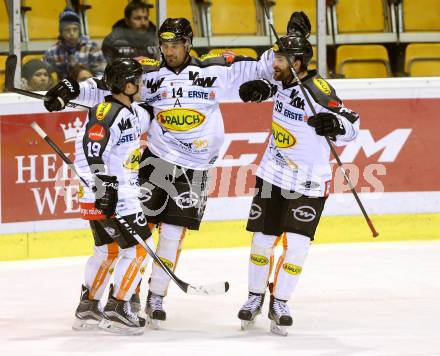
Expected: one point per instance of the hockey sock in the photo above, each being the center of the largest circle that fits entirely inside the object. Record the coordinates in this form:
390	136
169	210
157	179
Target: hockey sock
168	249
98	269
128	271
290	264
261	261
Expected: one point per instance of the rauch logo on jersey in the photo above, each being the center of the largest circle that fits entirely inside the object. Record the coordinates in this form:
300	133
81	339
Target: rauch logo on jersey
322	85
180	119
282	137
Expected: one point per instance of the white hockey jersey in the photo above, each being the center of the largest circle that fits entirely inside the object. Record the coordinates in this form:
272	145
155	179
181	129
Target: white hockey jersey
296	158
187	128
110	144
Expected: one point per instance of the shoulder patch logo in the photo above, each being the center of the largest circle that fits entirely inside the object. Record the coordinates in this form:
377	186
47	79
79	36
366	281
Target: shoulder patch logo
102	110
322	85
145	61
96	132
209	55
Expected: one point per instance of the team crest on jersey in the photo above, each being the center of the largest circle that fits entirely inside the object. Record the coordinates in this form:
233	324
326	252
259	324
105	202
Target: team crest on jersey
133	160
102	110
282	137
322	85
180	119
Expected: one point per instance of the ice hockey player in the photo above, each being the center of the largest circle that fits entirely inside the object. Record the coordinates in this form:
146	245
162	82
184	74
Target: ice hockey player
107	156
293	178
182	93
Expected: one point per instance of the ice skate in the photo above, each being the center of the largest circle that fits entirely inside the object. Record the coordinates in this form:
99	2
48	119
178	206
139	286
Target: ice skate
250	310
154	310
88	314
135	303
118	318
279	315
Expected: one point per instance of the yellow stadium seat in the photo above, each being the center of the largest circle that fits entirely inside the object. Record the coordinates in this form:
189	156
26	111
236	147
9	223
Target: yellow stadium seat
180	8
421	15
231	17
43	19
362	61
354	16
102	16
26	58
4	22
247	52
283	9
422	59
2	71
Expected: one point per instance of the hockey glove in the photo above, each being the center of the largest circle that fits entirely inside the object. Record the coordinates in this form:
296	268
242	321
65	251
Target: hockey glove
106	193
326	124
256	91
64	91
299	22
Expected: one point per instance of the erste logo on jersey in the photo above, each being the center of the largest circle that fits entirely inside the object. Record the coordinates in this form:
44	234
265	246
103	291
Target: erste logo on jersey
282	137
102	110
133	160
180	119
96	132
322	85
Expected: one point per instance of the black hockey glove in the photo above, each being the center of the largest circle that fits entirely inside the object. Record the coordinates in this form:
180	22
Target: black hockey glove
326	124
106	193
299	22
64	91
256	91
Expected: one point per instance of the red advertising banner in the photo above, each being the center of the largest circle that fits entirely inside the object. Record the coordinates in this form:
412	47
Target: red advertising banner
393	153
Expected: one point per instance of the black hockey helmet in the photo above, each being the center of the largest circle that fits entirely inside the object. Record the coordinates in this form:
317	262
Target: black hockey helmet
120	72
299	22
295	44
174	29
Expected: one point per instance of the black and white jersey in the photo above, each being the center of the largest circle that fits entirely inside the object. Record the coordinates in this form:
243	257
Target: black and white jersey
187	127
296	158
110	144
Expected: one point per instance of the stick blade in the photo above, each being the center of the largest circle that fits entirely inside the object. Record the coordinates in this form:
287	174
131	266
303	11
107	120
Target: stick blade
210	289
11	65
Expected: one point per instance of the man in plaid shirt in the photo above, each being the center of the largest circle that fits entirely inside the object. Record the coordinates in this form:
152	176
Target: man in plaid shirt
72	48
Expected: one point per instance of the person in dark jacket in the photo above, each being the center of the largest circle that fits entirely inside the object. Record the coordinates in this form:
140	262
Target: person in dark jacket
132	36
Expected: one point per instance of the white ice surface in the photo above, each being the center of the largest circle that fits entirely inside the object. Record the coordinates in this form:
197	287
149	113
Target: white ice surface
353	299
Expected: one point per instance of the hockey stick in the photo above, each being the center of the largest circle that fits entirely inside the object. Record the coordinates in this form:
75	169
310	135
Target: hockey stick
11	64
211	289
332	148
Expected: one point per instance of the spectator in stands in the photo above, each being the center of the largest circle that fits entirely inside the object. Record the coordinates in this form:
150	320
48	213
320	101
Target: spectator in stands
72	48
35	75
132	36
80	73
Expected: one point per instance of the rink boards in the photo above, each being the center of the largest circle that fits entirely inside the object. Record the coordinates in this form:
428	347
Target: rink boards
393	164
